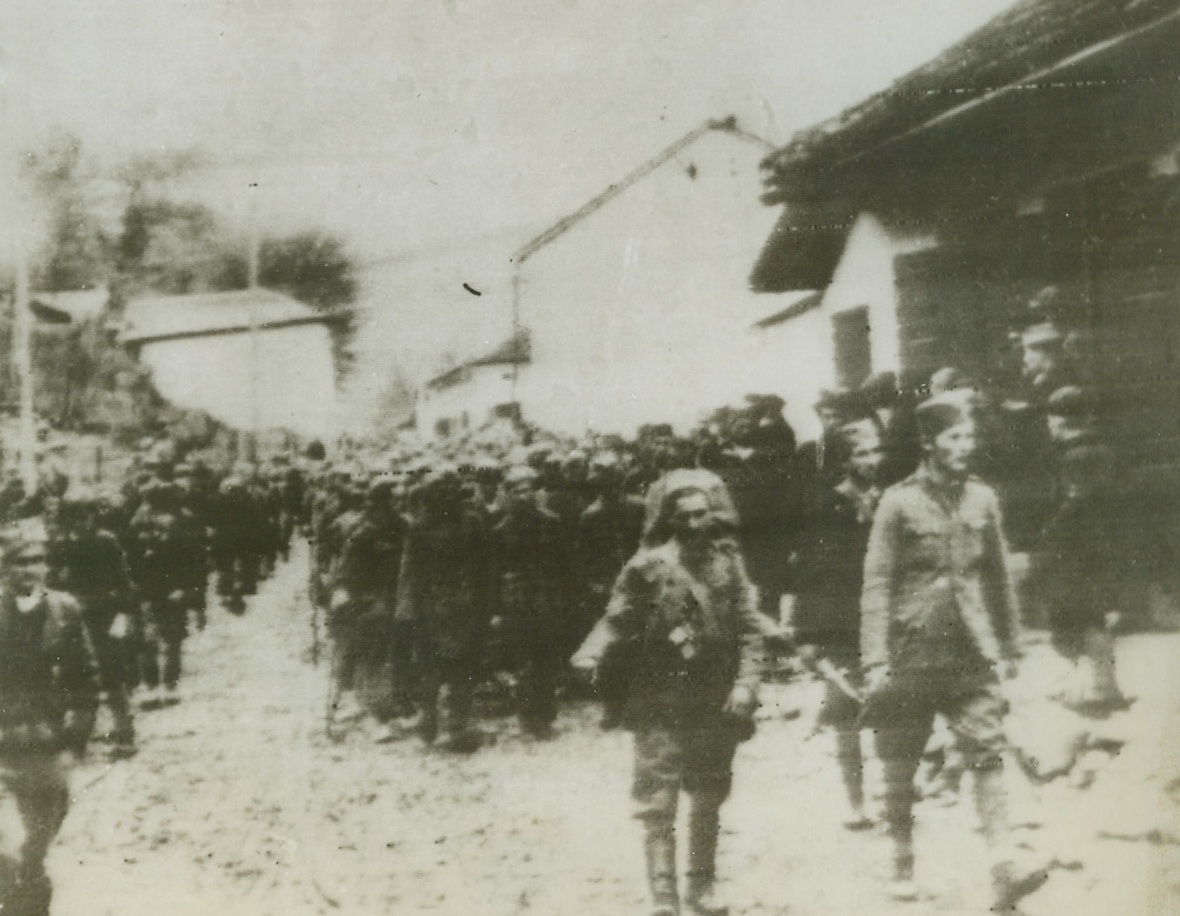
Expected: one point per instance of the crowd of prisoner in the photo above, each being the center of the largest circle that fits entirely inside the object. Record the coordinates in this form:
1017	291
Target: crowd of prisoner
878	554
657	572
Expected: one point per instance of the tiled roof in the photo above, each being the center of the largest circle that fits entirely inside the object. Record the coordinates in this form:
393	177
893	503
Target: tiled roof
1032	36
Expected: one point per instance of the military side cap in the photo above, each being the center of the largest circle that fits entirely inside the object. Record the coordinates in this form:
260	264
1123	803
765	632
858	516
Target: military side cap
943	411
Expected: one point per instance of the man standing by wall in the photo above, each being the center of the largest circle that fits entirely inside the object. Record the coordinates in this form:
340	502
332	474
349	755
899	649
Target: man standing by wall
939	631
686	609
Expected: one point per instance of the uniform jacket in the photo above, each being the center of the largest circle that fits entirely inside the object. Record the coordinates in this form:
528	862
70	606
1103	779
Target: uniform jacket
531	564
936	585
608	535
1080	569
48	676
768	495
830	573
694	637
444	582
168	551
370	561
93	568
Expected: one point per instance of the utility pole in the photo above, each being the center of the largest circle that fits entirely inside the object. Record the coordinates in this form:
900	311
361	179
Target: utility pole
252	257
517	282
22	317
22	357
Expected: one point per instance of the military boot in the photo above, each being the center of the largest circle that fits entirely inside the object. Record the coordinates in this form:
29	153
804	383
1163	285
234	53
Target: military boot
660	847
901	885
30	897
459	736
899	800
703	828
1011	884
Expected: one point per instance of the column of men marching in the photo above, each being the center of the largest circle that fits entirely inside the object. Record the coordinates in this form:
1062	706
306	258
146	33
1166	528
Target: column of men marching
662	567
98	591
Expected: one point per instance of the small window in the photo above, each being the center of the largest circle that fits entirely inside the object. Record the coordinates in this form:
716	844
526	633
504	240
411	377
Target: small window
854	352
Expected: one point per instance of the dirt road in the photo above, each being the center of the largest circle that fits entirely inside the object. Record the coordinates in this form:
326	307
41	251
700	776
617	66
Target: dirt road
238	804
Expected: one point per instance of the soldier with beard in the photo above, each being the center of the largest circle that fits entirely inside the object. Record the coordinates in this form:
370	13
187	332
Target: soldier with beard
684	610
48	695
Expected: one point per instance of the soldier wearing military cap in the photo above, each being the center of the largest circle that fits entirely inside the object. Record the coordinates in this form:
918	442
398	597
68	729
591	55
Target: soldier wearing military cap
238	530
761	472
167	556
1043	359
608	536
442	601
87	562
821	460
826	611
48	695
939	631
532	598
1080	571
364	590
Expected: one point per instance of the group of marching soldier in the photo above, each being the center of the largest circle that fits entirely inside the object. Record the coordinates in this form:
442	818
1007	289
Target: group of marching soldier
666	565
439	577
139	559
98	590
654	571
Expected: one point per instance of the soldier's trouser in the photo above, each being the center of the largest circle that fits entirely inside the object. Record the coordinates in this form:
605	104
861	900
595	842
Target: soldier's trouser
447	692
114	670
237	572
842	713
34	799
250	570
342	630
401	666
373	647
1100	650
197	601
698	761
543	662
165	627
903	716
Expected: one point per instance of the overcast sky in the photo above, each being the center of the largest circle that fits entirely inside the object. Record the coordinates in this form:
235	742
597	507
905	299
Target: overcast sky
410	121
449	126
